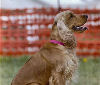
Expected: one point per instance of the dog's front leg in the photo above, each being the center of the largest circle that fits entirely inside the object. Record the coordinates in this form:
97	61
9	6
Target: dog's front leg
68	82
57	79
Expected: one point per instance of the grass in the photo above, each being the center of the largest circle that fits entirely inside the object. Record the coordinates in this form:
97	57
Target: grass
89	72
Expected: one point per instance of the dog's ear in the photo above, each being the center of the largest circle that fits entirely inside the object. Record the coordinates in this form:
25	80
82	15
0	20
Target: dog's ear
61	26
65	34
62	29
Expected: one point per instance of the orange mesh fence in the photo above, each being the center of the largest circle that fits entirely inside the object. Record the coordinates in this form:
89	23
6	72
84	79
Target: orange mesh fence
24	31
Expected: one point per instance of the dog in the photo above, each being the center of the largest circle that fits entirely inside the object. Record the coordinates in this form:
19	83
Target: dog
56	62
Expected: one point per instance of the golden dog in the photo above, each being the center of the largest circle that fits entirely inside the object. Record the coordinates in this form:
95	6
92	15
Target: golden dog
56	61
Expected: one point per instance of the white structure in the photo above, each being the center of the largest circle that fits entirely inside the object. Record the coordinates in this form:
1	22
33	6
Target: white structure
13	4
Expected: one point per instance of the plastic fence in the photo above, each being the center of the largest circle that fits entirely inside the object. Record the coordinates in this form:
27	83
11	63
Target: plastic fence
24	31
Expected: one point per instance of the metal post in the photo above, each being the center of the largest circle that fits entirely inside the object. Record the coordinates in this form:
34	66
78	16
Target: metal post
59	8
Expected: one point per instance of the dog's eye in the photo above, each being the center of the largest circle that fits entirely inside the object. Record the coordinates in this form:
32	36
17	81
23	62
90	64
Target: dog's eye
71	15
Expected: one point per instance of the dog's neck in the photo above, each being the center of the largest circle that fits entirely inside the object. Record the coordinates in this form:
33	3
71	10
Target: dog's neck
61	46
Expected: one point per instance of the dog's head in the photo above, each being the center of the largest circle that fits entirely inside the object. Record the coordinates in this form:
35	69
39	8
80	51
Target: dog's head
65	23
70	21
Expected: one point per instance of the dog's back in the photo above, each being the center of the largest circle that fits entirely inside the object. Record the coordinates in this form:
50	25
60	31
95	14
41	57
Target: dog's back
38	68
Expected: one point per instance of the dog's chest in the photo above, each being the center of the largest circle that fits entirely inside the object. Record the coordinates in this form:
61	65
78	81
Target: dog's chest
69	67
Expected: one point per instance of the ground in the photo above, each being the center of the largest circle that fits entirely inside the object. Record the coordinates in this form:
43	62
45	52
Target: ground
89	70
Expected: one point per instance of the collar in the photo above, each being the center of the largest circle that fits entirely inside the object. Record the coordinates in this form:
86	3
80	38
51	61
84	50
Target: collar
56	42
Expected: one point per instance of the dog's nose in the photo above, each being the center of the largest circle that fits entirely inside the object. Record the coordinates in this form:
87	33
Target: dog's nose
86	16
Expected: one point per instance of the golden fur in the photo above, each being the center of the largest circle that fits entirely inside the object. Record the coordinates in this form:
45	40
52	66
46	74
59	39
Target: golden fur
54	64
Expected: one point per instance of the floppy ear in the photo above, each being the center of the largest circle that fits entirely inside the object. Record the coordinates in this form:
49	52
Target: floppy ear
61	26
62	29
65	34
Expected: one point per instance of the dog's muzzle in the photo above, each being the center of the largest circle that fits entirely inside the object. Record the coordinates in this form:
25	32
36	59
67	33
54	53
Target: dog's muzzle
80	28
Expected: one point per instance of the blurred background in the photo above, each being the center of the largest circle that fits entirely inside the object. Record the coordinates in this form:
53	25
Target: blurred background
25	26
